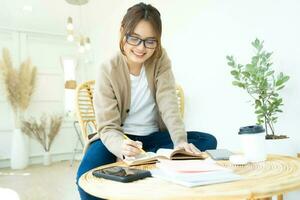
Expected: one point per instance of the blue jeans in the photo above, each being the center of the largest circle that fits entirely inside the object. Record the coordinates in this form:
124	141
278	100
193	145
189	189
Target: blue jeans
97	154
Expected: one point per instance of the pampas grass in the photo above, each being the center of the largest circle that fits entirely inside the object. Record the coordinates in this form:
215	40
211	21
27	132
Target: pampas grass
43	130
19	84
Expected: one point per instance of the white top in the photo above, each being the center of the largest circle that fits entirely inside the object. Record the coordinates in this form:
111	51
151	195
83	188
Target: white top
142	118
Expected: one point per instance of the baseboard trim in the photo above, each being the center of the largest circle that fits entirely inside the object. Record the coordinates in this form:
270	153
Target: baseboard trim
38	159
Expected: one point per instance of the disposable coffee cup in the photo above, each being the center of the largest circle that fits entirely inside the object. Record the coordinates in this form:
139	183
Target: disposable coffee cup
253	143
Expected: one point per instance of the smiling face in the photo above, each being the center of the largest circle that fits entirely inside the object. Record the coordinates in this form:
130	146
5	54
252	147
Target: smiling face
140	28
135	49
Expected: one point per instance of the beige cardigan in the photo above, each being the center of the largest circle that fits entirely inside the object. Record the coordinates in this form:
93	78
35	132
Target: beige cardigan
112	100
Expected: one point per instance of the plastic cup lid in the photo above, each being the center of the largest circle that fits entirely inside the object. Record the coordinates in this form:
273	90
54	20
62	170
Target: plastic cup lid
251	129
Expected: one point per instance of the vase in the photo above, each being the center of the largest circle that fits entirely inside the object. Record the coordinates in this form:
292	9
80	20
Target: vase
281	147
47	158
19	150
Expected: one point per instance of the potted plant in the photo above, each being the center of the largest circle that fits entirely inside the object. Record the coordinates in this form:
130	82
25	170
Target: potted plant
19	85
263	85
43	131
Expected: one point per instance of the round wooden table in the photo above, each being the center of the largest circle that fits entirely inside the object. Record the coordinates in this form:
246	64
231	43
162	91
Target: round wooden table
277	175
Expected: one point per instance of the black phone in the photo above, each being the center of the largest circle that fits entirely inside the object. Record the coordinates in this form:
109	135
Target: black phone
219	154
121	174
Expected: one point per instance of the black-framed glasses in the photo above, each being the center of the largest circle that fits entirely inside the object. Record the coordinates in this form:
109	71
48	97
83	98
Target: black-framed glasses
149	43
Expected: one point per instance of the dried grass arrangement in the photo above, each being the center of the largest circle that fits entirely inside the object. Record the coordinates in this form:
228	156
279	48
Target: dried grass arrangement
19	83
43	130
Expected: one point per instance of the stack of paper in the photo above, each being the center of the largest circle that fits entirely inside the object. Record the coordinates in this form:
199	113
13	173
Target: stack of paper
193	172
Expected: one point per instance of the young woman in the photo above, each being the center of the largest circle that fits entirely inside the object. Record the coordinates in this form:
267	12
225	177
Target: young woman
135	95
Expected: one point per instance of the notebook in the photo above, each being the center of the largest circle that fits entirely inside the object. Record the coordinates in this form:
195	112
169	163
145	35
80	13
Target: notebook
171	154
192	173
190	166
192	180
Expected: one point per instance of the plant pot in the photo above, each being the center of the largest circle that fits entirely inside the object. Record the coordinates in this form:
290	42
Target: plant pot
19	150
281	147
47	158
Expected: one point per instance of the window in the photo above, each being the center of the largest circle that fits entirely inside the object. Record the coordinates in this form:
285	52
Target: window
69	67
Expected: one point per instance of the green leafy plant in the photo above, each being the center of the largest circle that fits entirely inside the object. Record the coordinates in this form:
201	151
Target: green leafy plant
259	80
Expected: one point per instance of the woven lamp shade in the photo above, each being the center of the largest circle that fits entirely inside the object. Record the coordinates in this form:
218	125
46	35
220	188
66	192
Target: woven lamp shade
70	84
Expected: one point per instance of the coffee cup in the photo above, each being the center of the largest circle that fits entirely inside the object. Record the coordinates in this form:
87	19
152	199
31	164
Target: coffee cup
253	143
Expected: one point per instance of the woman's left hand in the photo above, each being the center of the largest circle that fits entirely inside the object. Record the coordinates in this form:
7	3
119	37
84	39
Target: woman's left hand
189	147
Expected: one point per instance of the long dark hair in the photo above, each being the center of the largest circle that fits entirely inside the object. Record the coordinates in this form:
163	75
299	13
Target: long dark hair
134	15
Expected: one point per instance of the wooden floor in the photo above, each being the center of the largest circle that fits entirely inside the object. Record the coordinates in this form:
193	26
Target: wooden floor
37	182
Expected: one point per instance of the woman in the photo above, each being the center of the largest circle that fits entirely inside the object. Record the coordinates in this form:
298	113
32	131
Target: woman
135	94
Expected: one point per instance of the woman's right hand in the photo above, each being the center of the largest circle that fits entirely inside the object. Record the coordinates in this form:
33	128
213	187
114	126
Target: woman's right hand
131	148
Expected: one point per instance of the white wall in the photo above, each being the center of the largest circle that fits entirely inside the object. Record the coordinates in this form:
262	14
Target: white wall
221	28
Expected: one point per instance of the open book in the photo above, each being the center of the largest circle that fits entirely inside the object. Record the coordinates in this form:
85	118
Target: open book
171	154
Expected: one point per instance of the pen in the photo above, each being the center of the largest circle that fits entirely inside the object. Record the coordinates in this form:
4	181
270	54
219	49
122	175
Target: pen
127	138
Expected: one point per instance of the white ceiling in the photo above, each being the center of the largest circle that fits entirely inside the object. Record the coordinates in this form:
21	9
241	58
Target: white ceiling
51	15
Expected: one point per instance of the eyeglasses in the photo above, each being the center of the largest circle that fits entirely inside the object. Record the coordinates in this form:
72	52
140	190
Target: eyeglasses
149	43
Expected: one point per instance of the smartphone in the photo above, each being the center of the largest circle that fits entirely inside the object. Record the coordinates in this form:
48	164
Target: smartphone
121	174
219	154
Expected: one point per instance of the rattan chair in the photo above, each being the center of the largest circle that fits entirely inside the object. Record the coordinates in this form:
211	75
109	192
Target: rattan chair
85	109
86	113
